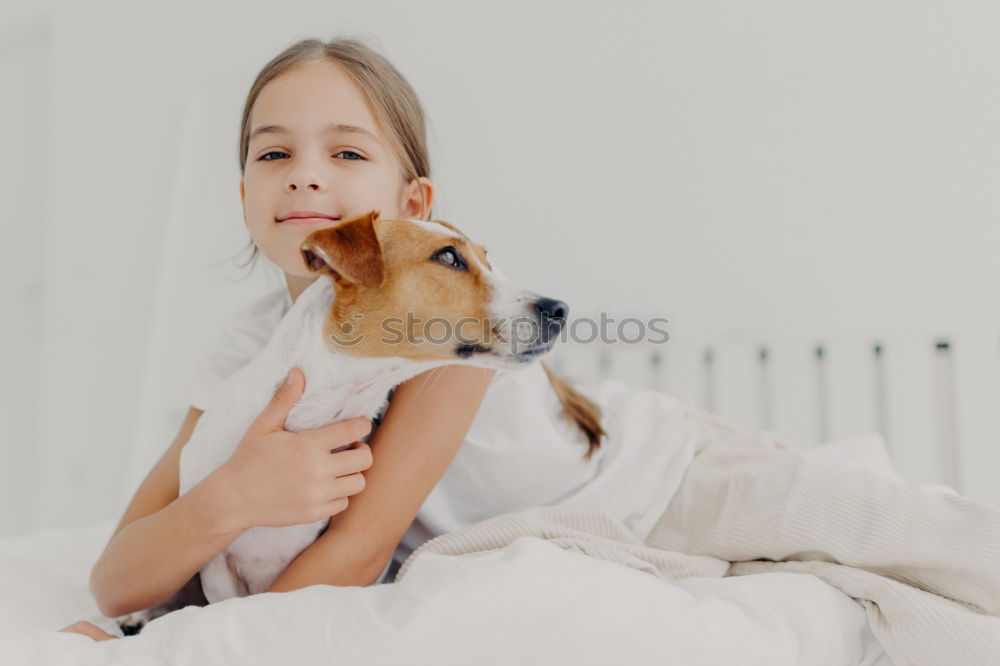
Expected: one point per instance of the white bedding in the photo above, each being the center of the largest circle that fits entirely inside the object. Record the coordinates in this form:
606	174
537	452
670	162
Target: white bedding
531	603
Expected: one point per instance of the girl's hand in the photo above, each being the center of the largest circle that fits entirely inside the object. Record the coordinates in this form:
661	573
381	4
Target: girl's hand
277	478
88	629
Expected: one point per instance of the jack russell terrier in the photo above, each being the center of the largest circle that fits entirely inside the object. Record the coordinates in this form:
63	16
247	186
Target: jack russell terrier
372	271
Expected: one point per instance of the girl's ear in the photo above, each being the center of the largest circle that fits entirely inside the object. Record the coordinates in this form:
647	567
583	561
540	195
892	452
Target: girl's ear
417	198
348	251
243	201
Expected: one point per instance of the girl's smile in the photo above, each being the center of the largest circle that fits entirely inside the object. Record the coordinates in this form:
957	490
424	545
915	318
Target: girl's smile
306	217
308	220
304	214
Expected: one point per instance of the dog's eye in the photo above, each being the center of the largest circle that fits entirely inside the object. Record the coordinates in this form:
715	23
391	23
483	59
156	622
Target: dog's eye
449	256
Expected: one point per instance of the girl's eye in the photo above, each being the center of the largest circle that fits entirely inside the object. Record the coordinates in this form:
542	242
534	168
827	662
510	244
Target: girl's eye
263	158
449	257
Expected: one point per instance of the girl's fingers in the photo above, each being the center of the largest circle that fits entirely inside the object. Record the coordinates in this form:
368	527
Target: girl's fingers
281	404
88	629
333	507
352	484
355	459
341	433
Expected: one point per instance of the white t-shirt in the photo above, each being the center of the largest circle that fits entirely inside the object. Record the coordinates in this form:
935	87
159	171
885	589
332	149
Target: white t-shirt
519	451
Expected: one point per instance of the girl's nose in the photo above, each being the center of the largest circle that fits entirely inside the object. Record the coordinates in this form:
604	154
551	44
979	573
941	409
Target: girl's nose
304	176
293	185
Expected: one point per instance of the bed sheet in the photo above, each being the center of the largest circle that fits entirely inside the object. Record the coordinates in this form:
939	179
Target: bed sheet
531	602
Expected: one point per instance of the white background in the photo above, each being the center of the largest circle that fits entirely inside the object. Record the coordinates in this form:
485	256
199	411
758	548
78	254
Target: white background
776	172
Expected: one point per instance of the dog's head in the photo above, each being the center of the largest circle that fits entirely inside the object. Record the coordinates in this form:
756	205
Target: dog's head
424	291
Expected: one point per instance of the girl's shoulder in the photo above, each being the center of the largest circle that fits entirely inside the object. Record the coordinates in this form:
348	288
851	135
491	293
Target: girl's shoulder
240	340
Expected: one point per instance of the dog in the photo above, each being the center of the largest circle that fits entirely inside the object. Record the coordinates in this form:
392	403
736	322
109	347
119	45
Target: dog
362	328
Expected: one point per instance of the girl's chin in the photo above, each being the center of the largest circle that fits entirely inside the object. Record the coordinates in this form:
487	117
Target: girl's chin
299	274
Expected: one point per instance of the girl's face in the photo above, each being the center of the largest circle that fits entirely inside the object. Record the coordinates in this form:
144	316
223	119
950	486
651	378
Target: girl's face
315	146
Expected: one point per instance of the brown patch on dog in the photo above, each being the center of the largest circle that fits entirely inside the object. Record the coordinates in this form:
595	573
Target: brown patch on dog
578	409
414	306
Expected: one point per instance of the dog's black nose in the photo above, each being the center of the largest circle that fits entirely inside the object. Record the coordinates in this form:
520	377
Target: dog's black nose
552	317
551	308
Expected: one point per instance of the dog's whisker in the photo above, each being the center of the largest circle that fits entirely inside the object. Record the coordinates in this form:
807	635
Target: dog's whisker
432	378
439	372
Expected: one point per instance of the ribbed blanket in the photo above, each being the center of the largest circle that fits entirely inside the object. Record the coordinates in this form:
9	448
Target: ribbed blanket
923	562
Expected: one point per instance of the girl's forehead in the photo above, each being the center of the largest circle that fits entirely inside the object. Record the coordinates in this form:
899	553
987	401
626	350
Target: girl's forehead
313	97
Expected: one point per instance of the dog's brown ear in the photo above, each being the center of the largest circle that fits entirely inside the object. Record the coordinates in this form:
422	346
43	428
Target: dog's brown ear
350	251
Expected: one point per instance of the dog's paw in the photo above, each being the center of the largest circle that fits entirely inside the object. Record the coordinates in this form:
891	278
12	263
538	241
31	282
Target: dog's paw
133	623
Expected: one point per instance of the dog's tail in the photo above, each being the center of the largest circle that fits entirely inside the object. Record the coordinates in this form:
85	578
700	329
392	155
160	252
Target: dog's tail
579	409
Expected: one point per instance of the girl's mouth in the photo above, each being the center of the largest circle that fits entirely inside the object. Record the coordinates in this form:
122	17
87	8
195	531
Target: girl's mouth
307	220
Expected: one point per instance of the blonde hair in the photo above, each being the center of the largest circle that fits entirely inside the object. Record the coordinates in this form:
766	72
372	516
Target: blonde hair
390	98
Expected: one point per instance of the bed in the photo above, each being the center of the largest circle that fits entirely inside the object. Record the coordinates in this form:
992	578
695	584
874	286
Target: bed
532	601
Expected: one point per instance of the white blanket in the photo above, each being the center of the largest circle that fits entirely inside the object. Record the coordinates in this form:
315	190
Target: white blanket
531	603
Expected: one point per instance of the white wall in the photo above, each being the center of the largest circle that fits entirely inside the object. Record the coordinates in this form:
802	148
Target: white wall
775	171
22	192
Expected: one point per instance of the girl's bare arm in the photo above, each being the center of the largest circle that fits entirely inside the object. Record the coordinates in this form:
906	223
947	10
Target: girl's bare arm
162	540
274	477
159	528
423	428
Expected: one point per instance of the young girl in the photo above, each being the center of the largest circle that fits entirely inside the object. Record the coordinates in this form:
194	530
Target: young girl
329	131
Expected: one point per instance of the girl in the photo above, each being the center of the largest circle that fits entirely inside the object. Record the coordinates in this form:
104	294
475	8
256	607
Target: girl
331	129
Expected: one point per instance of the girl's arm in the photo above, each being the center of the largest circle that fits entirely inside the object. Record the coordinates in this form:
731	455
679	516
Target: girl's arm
196	532
423	428
162	540
274	477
